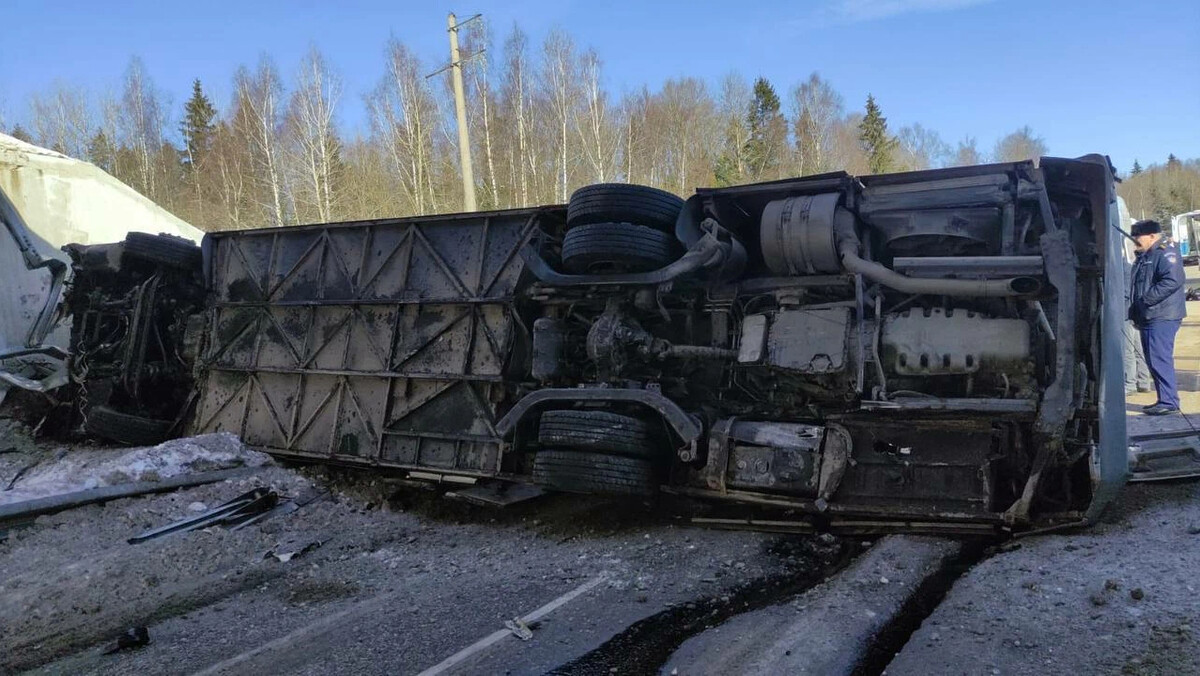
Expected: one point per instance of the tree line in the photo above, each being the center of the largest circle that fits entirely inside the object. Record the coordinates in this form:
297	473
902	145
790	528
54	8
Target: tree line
541	121
1161	191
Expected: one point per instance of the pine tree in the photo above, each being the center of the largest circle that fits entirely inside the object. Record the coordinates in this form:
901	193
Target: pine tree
101	152
21	134
876	142
197	126
726	172
768	130
1137	169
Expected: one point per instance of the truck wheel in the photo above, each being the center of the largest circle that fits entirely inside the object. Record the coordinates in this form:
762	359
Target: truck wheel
165	250
581	472
616	247
597	431
123	428
624	203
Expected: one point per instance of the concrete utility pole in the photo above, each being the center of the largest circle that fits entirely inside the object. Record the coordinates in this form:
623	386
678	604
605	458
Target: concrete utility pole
460	109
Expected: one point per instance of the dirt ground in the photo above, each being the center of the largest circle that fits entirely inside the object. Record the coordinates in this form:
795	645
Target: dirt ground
410	580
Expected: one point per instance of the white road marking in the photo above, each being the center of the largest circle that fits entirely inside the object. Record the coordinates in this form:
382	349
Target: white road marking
497	636
331	620
308	629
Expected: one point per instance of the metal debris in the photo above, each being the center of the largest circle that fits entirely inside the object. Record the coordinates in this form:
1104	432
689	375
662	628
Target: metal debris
1164	455
293	552
519	628
250	506
20	473
134	637
497	493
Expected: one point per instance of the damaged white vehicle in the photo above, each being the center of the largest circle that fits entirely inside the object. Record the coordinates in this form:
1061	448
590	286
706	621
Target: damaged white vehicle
49	200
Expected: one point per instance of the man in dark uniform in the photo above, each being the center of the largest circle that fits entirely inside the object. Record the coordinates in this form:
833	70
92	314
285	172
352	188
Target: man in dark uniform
1157	307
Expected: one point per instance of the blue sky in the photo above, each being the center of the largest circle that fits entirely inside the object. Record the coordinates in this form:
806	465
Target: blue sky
1116	77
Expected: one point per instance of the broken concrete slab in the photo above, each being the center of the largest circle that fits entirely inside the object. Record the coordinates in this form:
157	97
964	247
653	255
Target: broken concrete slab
828	629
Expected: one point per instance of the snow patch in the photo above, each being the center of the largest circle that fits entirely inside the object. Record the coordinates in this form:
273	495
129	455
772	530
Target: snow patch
86	469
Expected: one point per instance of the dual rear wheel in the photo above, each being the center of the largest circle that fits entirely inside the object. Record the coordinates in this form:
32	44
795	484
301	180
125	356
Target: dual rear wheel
611	228
616	227
586	451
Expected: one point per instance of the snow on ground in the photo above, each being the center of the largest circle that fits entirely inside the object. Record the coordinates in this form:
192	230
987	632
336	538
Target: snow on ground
66	472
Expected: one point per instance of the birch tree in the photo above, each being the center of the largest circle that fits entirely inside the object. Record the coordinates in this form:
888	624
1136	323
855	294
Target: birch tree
817	110
967	153
920	148
732	105
62	120
258	110
560	88
515	104
598	135
230	171
635	146
142	121
402	113
311	121
1020	145
685	119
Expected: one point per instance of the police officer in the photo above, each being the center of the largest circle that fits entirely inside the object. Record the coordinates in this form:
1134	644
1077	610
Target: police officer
1157	307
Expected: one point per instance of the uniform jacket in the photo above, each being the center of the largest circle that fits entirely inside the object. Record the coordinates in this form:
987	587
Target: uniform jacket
1156	289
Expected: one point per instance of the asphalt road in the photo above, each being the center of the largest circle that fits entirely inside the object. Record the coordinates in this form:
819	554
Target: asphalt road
399	584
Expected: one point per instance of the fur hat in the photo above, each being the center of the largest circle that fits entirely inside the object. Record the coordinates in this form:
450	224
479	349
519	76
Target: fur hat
1145	228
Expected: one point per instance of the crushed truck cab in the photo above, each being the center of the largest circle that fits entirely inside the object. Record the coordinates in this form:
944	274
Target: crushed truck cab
933	350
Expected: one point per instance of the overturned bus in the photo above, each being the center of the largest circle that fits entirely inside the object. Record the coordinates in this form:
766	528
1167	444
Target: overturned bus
933	350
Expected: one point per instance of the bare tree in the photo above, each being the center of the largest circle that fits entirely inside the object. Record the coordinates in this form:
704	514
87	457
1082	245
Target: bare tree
62	120
732	105
560	88
921	148
542	123
515	97
314	134
817	113
967	153
369	182
231	173
1020	145
686	125
846	151
598	135
258	111
142	119
635	144
402	113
